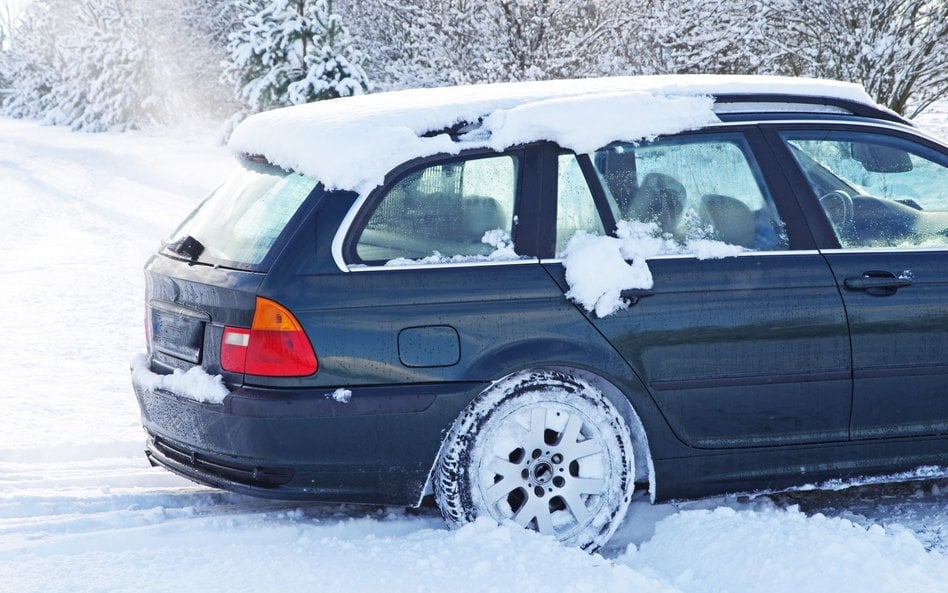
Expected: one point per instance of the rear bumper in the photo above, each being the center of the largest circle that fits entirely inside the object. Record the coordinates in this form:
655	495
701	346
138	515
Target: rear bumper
378	448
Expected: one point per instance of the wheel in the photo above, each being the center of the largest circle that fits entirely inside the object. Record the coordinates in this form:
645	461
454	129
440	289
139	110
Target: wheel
838	206
541	449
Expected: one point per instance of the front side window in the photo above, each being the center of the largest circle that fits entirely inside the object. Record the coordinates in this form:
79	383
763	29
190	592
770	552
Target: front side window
876	190
459	211
687	190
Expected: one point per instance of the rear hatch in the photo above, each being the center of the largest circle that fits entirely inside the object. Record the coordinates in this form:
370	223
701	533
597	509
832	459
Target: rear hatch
206	276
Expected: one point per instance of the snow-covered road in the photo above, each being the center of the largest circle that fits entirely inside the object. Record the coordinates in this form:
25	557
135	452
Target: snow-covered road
80	510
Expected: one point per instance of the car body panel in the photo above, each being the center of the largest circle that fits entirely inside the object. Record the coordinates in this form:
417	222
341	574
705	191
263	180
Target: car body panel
756	371
899	341
741	351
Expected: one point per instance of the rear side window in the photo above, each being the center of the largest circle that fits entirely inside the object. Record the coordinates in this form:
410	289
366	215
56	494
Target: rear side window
451	212
240	221
689	190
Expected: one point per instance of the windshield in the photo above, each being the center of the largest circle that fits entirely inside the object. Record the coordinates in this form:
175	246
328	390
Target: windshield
238	223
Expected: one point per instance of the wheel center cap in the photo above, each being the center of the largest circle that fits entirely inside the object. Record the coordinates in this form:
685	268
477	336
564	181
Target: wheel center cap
542	472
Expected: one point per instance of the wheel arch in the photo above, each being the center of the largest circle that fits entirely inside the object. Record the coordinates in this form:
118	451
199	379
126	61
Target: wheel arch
644	466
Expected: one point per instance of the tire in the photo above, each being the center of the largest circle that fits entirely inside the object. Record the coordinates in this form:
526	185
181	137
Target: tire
544	450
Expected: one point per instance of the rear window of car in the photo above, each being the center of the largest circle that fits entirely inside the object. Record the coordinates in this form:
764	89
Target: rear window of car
239	222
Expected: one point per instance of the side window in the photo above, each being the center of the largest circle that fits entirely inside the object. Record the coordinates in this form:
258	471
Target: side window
575	207
876	190
692	188
452	212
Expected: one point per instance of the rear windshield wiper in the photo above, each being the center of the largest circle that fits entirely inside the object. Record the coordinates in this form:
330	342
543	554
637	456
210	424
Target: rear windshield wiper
187	246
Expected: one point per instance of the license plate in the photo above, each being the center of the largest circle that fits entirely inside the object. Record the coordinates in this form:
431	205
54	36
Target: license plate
177	335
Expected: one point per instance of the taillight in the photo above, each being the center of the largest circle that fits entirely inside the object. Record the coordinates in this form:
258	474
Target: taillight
274	346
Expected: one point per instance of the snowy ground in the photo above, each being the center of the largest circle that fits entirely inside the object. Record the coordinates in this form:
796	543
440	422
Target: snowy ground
80	510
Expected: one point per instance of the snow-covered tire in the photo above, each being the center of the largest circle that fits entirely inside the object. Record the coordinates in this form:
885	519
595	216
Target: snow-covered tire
541	449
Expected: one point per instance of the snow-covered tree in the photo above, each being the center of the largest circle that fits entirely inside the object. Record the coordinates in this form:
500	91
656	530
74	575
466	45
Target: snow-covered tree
106	81
32	64
189	39
437	42
687	37
898	49
424	43
287	52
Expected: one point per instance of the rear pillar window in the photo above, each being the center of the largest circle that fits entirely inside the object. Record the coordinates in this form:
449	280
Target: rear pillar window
453	212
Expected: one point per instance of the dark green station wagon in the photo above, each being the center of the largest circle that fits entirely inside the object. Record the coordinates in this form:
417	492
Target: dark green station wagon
527	300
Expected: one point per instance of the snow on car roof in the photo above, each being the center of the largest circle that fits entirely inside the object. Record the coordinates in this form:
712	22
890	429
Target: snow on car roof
351	143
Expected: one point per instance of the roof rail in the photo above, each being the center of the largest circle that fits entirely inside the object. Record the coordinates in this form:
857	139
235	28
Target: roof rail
796	103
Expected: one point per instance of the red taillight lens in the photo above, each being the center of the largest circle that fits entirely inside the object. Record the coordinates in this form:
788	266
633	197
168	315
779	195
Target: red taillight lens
234	349
274	346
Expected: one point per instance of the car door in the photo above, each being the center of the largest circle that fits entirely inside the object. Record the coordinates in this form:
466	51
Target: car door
748	349
885	195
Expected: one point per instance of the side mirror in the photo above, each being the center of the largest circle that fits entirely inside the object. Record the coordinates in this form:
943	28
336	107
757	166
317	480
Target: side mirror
881	159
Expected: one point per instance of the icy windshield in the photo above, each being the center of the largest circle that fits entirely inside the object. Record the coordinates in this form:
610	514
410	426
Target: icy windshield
240	221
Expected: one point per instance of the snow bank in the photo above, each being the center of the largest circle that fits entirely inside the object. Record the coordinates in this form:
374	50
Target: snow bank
195	384
351	143
784	551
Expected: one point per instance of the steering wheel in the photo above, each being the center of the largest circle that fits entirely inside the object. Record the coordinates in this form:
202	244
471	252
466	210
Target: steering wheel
838	206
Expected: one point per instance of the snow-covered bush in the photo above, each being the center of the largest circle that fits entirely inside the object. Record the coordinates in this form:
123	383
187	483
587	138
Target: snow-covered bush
105	83
32	64
412	43
116	64
898	49
287	52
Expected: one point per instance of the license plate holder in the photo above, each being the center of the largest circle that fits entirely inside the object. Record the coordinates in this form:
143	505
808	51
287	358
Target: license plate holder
177	334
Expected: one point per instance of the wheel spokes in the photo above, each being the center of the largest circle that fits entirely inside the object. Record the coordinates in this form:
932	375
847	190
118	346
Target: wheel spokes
535	508
577	506
537	425
570	434
534	473
583	449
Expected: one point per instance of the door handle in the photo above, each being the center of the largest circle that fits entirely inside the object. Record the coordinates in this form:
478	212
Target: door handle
634	294
877	283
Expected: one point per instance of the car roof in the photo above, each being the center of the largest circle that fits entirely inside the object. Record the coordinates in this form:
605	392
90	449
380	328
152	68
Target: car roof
351	143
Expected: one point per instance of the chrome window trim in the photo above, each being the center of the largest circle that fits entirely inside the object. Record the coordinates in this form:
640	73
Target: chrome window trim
559	260
343	230
467	264
886	250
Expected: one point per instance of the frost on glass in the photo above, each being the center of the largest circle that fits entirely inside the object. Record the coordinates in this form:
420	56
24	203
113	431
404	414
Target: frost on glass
454	212
876	191
703	188
241	220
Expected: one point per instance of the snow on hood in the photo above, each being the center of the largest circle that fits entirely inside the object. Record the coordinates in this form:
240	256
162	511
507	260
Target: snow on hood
351	143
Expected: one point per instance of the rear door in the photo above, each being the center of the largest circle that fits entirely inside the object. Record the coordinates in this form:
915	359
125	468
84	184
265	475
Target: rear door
737	350
885	196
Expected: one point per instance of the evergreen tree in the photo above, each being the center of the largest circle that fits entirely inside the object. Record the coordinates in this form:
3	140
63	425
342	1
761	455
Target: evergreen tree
106	81
32	64
287	52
